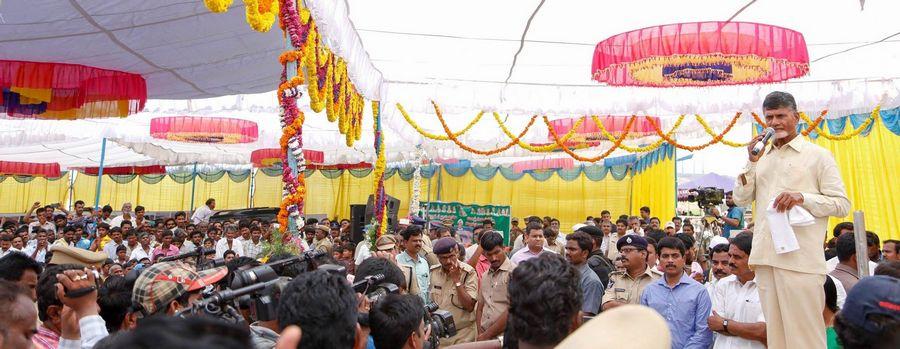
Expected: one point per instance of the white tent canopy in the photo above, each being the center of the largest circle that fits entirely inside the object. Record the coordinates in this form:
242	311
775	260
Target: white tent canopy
458	54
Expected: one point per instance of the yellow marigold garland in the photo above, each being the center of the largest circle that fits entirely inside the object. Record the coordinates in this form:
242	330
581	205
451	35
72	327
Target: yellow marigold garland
433	136
539	148
261	14
710	132
467	148
380	166
716	139
812	124
645	148
876	113
217	6
575	156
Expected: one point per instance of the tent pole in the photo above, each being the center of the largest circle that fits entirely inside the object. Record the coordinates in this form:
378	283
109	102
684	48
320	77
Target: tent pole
252	185
193	185
71	189
675	198
100	174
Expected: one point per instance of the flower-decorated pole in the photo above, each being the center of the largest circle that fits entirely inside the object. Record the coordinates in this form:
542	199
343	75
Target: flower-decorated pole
380	216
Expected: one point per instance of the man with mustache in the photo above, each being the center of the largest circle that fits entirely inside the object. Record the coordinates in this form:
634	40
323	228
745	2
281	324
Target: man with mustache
791	173
737	317
680	300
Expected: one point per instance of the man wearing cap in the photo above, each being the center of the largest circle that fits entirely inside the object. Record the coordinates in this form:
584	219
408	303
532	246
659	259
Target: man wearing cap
167	287
670	229
871	314
454	288
626	287
322	243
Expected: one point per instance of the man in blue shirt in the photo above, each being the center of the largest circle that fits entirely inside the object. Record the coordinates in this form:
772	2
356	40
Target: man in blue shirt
733	219
682	301
416	264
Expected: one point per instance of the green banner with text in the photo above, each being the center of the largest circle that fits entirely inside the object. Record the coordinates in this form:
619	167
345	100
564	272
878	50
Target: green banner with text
466	217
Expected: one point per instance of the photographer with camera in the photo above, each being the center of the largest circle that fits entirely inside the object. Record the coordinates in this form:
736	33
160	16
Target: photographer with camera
168	287
398	322
454	288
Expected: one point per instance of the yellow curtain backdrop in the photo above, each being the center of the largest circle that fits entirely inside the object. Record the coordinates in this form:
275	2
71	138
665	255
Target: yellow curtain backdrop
18	197
655	188
167	195
570	202
867	165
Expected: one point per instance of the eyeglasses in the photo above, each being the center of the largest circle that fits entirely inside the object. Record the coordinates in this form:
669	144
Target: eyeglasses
627	250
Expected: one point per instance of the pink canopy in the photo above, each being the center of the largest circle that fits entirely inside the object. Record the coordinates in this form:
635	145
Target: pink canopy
701	54
204	129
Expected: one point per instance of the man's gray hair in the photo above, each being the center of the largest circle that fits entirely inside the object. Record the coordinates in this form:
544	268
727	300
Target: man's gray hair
778	99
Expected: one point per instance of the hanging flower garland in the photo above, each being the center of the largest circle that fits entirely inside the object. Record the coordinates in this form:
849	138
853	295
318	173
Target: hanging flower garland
380	214
416	189
716	139
646	148
712	133
260	14
432	136
876	113
575	156
539	148
812	124
467	148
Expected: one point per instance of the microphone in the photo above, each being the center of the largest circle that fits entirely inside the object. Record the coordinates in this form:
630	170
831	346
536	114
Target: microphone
759	146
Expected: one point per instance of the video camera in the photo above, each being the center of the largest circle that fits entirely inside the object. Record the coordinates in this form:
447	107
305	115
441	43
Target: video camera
260	287
441	323
706	197
373	287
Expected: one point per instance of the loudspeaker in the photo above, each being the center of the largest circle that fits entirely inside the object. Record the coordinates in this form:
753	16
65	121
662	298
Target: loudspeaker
392	205
357	222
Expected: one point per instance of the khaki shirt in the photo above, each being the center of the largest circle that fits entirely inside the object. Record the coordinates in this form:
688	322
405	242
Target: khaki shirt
798	166
444	294
623	288
493	293
324	245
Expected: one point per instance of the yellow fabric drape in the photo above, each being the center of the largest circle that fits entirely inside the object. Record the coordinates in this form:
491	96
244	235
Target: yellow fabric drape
655	188
867	165
570	202
18	197
167	195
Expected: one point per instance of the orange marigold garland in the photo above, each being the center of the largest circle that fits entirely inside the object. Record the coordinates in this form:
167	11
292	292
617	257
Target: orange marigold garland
575	156
716	139
465	147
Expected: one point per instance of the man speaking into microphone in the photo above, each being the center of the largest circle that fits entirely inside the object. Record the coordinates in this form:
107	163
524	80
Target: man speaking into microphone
801	179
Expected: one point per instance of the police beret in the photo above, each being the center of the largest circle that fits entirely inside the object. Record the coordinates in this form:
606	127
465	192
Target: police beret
632	240
444	245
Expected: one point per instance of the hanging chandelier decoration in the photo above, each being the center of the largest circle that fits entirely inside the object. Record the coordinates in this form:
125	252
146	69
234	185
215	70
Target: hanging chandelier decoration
195	129
47	90
701	54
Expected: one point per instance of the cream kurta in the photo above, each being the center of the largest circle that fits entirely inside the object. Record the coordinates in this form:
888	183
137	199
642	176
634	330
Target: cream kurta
802	167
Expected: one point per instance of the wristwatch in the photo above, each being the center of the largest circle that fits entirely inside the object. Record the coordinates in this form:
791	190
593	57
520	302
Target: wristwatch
458	284
725	325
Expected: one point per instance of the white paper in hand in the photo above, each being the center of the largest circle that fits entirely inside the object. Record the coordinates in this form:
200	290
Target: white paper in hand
783	236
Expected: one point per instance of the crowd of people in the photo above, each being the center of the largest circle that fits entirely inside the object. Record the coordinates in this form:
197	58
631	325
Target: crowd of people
89	279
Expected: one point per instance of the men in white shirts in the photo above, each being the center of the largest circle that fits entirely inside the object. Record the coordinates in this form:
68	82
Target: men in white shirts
38	251
253	246
126	215
229	242
203	213
737	316
144	249
6	245
42	222
634	226
720	265
110	249
534	241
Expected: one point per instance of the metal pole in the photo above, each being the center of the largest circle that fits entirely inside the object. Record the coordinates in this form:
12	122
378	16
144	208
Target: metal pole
440	170
193	185
252	185
675	192
100	174
71	189
862	249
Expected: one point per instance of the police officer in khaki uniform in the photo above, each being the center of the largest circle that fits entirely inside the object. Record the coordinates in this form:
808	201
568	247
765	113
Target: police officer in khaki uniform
454	288
625	287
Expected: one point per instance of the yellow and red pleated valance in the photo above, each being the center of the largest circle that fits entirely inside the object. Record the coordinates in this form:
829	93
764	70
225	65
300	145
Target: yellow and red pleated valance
195	129
271	156
587	130
29	169
701	54
68	91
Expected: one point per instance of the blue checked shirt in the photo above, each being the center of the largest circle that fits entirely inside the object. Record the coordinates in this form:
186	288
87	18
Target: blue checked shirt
685	308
